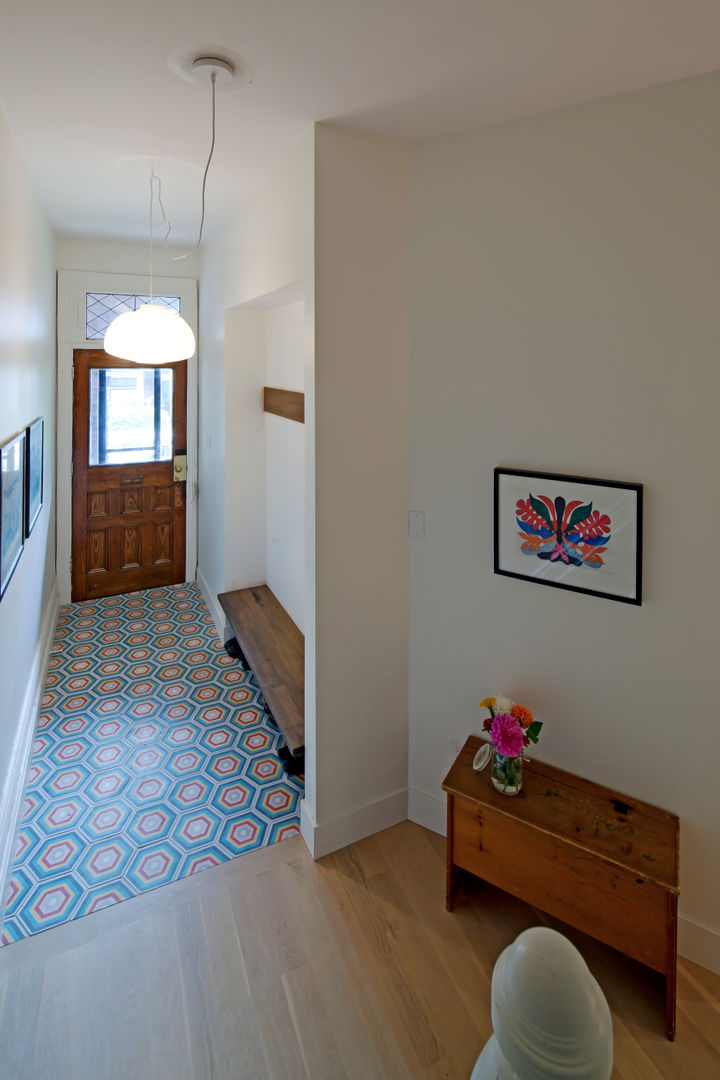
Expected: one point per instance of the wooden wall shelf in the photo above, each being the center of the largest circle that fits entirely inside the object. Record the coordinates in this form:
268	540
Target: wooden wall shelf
287	403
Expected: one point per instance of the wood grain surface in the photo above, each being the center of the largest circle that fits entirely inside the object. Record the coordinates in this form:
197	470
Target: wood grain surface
287	403
346	969
634	834
128	521
601	861
568	882
275	649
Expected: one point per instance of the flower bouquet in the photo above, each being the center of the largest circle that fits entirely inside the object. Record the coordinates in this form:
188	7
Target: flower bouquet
511	728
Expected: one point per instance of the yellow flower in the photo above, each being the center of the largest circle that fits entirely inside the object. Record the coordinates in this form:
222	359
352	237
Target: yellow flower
487	703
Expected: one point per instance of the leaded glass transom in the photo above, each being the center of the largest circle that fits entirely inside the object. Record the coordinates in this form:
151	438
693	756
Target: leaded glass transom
101	309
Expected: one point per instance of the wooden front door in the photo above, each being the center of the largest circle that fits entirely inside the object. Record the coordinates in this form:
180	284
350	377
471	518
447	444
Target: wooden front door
128	512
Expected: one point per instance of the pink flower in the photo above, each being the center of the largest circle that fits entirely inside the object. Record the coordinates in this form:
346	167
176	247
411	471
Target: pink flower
507	735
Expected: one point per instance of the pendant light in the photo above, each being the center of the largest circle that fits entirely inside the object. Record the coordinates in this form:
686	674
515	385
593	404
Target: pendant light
153	334
150	335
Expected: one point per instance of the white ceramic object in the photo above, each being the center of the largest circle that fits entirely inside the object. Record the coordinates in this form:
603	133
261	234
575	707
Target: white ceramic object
550	1018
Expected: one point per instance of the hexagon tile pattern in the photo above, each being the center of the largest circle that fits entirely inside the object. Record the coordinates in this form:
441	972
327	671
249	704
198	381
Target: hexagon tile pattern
152	760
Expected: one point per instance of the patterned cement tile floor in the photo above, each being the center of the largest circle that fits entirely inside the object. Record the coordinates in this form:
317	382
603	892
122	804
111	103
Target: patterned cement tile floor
153	759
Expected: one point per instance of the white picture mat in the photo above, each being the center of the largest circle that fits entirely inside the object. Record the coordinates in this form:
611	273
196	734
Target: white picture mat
12	500
35	452
616	576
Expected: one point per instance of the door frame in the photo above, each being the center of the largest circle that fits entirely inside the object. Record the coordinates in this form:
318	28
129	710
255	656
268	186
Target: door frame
72	287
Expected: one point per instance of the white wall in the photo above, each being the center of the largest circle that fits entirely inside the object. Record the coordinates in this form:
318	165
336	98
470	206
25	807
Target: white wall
361	479
566	318
261	260
285	463
27	390
355	190
244	449
116	257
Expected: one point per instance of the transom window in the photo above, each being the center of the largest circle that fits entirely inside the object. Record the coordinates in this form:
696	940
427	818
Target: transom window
101	309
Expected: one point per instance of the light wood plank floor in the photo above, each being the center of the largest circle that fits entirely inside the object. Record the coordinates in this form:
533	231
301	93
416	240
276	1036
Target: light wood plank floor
275	966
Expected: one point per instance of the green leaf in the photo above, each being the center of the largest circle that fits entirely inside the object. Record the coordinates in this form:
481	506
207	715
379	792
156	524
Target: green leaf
534	730
579	514
540	508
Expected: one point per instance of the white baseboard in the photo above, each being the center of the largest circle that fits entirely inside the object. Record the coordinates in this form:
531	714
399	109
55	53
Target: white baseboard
307	826
699	943
11	795
332	835
213	606
427	811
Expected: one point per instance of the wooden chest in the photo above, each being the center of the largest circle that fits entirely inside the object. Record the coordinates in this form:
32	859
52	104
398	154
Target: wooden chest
599	861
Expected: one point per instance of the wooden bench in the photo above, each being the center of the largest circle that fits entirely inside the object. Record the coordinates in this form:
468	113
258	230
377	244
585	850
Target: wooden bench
274	648
599	861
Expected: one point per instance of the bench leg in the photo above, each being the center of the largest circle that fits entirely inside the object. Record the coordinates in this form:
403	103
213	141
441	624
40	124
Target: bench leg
451	880
451	870
232	648
293	764
671	966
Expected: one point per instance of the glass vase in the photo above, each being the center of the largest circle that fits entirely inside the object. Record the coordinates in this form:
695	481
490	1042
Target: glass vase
507	776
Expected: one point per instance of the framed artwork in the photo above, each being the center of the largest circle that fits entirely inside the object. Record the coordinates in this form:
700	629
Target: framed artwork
571	532
34	446
12	507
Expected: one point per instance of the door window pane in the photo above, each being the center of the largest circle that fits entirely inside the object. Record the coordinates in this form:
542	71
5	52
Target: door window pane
130	415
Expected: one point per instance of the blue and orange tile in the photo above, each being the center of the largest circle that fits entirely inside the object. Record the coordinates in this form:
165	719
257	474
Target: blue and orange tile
153	760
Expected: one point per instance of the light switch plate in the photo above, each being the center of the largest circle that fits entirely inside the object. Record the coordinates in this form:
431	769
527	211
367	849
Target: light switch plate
416	522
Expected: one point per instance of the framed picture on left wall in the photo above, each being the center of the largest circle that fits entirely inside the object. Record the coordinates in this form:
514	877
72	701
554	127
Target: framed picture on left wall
12	506
34	446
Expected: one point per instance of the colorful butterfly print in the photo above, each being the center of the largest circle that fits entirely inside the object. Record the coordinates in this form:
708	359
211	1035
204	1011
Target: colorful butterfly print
571	533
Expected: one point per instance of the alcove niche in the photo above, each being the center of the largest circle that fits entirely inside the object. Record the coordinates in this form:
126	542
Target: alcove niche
268	468
265	467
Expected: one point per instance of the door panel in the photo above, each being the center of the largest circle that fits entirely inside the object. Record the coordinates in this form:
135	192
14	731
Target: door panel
129	514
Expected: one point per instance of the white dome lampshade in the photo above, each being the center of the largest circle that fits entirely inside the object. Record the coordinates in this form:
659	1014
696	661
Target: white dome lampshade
151	335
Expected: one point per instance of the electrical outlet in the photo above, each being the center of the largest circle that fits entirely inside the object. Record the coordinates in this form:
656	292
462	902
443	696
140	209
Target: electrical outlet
455	746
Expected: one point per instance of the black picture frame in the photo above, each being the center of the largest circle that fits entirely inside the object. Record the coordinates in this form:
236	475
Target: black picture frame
34	470
12	507
570	532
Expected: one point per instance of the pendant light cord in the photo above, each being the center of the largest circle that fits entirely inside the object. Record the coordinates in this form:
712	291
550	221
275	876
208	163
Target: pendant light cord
152	177
156	179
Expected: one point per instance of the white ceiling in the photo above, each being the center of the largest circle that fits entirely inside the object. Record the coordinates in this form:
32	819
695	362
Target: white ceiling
92	103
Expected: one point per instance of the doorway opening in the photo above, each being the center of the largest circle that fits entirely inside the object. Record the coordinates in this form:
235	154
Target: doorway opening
87	303
128	476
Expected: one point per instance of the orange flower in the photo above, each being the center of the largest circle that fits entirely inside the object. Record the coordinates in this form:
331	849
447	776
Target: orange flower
523	714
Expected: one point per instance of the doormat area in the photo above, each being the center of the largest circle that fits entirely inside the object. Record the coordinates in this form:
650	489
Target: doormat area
153	759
